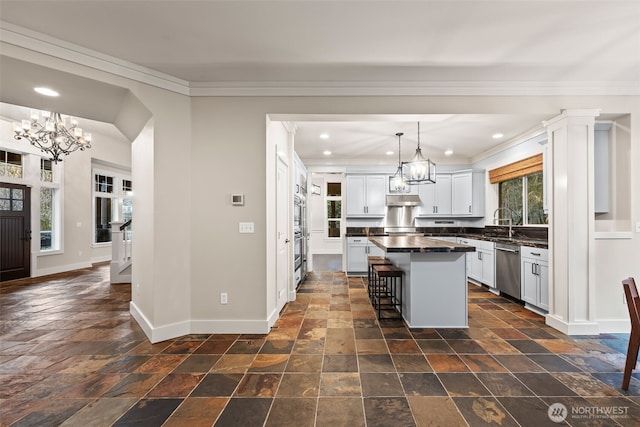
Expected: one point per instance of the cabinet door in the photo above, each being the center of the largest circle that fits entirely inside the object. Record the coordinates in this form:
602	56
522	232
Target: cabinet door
476	266
488	268
529	288
356	197
373	250
376	194
357	257
443	194
427	194
461	193
543	283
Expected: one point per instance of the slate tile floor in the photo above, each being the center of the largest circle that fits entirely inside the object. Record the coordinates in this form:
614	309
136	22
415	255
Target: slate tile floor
70	354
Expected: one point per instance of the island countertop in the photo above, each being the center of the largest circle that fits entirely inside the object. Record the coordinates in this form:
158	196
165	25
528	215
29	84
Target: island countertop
417	243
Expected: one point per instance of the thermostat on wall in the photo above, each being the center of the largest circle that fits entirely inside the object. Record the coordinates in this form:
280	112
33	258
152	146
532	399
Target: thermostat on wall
237	199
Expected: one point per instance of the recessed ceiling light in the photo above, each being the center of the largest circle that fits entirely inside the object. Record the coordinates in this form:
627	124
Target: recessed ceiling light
448	152
497	135
389	153
324	135
46	91
326	152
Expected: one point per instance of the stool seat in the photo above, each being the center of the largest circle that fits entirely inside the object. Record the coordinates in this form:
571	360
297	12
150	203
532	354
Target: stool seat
387	270
371	276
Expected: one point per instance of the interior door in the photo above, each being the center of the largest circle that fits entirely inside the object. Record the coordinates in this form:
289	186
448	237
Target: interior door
283	269
15	231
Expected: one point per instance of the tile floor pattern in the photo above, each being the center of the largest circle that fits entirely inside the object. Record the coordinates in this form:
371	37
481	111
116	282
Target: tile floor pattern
72	355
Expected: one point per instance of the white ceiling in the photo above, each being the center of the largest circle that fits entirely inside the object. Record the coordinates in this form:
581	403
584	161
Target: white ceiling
576	45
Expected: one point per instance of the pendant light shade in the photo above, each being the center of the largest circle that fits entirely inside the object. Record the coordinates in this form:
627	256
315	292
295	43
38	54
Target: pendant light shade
398	182
419	170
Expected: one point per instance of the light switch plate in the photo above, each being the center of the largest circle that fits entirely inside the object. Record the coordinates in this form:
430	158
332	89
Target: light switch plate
246	227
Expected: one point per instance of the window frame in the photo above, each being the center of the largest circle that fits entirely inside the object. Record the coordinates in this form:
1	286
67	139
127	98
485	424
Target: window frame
117	196
327	199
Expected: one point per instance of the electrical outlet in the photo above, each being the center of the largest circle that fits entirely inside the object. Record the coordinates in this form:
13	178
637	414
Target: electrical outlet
223	298
246	227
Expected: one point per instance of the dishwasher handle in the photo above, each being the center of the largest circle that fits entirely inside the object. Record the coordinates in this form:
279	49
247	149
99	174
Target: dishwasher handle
514	251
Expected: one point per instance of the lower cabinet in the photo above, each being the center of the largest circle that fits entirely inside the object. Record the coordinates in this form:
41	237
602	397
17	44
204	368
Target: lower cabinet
481	263
535	276
358	250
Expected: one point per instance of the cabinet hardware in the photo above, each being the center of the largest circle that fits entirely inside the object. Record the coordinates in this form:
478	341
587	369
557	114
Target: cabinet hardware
469	208
533	269
535	253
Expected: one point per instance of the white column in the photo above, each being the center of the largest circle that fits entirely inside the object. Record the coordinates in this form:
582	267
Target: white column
116	250
571	222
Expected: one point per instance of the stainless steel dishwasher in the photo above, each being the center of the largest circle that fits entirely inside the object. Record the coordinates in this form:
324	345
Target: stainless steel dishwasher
508	269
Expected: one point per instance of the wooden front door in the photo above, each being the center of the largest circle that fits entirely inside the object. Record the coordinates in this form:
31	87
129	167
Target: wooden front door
15	231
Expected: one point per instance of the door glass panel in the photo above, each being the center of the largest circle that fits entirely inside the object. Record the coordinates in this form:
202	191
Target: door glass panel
17	205
334	229
17	194
5	205
4	193
334	189
103	219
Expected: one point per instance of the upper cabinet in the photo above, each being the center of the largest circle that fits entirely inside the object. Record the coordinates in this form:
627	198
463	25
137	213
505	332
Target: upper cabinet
436	198
366	195
455	194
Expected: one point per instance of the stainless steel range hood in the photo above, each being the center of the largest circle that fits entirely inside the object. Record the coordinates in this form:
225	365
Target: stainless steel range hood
403	200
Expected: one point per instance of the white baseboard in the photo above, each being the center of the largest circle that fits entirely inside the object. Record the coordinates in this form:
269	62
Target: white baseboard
103	258
161	333
614	326
229	327
582	328
61	269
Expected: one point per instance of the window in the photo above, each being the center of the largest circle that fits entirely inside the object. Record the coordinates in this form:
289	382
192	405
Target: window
523	195
10	164
110	202
47	218
334	209
46	170
50	209
520	190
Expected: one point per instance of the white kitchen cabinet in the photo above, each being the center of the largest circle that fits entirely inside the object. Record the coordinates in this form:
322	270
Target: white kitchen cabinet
456	194
461	193
535	276
436	198
467	193
358	250
366	195
481	263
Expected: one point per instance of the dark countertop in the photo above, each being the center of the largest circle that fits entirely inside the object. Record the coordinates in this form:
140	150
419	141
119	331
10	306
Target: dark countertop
490	233
413	243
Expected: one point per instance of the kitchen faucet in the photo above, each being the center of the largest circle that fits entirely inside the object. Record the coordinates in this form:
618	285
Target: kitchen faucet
496	220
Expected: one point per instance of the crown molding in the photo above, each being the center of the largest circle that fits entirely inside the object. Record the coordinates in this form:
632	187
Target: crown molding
41	43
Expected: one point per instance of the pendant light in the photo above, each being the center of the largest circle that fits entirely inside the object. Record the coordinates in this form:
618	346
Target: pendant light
419	170
398	181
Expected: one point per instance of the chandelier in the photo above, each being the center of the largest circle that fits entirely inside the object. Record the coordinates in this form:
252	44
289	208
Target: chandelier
58	135
419	170
397	180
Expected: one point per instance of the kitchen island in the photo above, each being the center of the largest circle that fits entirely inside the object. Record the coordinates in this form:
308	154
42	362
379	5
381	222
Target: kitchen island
435	279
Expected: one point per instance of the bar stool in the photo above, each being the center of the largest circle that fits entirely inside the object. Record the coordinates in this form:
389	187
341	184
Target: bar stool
387	291
371	279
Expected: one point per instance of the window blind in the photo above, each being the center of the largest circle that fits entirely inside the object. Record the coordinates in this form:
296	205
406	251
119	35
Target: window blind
517	169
